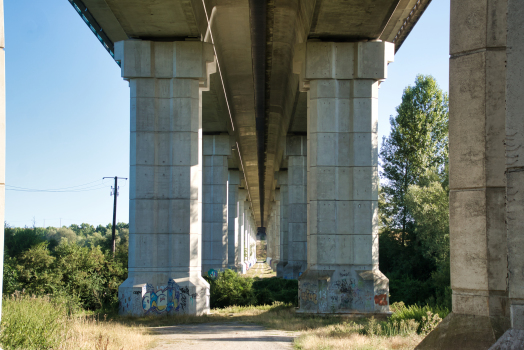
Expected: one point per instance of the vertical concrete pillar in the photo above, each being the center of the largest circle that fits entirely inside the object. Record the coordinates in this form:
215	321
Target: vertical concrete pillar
476	177
343	274
242	195
515	165
165	176
297	206
2	144
269	235
247	214
276	230
282	180
215	208
232	219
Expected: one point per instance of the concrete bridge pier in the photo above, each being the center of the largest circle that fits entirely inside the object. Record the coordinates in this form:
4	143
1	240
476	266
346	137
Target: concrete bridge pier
282	181
233	220
342	80
270	233
165	176
297	206
239	258
216	150
276	230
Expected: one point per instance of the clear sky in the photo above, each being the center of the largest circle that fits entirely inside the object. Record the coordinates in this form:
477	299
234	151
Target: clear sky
68	110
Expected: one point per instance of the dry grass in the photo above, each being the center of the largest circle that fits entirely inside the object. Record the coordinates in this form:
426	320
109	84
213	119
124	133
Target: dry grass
355	341
87	332
317	332
261	270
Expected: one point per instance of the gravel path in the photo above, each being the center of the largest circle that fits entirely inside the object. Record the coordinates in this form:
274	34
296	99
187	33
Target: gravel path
222	336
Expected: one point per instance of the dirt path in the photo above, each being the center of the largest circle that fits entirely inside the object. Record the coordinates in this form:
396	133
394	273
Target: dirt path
222	336
262	270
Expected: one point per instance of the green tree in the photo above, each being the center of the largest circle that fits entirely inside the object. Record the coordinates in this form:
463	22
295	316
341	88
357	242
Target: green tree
418	141
413	201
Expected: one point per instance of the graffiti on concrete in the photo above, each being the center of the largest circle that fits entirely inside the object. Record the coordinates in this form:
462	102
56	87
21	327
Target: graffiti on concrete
171	298
353	295
381	299
213	274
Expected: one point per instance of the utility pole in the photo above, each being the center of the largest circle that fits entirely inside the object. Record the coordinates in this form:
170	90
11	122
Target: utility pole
114	193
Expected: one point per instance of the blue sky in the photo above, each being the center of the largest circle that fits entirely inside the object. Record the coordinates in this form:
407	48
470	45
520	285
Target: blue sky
68	110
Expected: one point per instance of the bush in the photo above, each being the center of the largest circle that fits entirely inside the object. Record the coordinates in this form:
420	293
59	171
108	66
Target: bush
232	289
270	290
423	315
32	323
229	288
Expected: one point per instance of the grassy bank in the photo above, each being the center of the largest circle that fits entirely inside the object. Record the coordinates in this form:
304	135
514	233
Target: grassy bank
32	323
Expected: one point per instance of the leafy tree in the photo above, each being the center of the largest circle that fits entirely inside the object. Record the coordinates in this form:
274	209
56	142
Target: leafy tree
36	273
418	141
413	201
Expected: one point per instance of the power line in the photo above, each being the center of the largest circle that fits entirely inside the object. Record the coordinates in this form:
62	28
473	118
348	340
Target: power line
90	186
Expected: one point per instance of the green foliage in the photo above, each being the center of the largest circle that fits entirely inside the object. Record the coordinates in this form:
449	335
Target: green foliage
413	202
74	263
32	323
418	141
232	289
17	240
417	313
229	288
36	272
270	290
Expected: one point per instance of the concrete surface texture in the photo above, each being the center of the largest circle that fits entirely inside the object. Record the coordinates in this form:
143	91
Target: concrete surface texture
297	206
222	337
165	177
284	240
343	274
515	171
485	135
215	216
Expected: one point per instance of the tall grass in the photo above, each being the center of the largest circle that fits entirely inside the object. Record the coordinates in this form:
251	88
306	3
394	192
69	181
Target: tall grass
32	323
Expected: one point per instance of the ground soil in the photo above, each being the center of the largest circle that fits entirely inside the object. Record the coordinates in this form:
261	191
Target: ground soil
222	336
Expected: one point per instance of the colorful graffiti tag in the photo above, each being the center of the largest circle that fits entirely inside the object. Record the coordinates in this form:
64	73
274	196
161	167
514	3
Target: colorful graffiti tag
213	274
381	299
171	298
162	300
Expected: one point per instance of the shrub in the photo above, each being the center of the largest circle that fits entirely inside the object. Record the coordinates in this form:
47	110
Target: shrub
231	289
32	323
270	290
427	317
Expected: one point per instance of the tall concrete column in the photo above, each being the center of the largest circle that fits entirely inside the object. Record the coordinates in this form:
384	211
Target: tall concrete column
2	144
242	196
515	171
297	206
476	178
232	219
343	274
165	176
215	209
282	180
269	236
276	230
